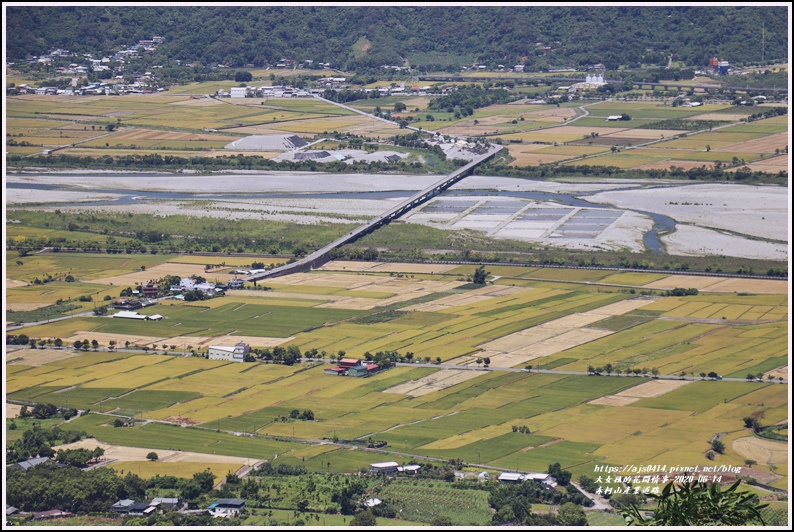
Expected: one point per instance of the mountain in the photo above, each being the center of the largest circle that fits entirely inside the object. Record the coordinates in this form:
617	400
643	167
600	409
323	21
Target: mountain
354	37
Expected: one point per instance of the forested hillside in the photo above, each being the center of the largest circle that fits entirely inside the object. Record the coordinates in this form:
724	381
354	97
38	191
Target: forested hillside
430	38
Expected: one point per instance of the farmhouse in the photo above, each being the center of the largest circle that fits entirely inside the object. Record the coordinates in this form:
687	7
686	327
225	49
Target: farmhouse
127	304
383	468
235	283
237	92
234	353
545	479
130	315
27	464
226	507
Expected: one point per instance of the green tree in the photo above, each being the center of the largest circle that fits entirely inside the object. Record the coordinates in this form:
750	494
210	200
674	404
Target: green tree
718	445
698	504
152	456
364	518
479	275
570	514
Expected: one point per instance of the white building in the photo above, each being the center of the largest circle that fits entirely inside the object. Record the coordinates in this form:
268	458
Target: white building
590	83
237	92
235	353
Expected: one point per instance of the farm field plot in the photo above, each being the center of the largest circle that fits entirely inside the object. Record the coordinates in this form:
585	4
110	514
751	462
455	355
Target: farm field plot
621	160
61	263
386	267
716	284
146	469
762	451
635	393
762	145
426	501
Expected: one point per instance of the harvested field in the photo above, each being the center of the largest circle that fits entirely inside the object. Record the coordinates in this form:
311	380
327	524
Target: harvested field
666	164
552	337
773	164
156	272
459	300
762	145
432	383
654	388
779	372
12	411
533	158
717	284
762	451
720	116
13	283
30	357
104	338
355	266
614	400
203	102
138	454
204	341
153	134
648	134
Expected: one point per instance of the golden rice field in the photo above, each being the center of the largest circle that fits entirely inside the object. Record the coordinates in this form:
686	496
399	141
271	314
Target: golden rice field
443	412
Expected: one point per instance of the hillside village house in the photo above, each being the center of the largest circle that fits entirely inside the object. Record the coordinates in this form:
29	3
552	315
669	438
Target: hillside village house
236	353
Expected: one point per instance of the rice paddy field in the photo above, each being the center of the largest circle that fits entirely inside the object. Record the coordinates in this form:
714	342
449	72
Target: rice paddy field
565	320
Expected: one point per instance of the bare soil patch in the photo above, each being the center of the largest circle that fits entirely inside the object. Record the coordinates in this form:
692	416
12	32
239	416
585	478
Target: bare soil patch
655	388
432	383
39	357
12	411
762	145
157	272
14	283
137	454
612	400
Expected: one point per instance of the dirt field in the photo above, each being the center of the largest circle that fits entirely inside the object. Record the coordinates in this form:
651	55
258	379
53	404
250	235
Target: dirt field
105	338
773	164
437	381
717	284
654	388
12	411
532	158
779	372
643	391
13	283
762	451
137	454
762	145
351	266
151	134
39	357
22	307
159	271
459	300
614	400
204	341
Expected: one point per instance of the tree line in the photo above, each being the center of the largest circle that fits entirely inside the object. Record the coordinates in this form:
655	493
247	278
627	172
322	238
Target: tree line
430	37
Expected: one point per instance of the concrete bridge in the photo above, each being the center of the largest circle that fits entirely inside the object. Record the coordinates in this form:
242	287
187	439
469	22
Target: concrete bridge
322	255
